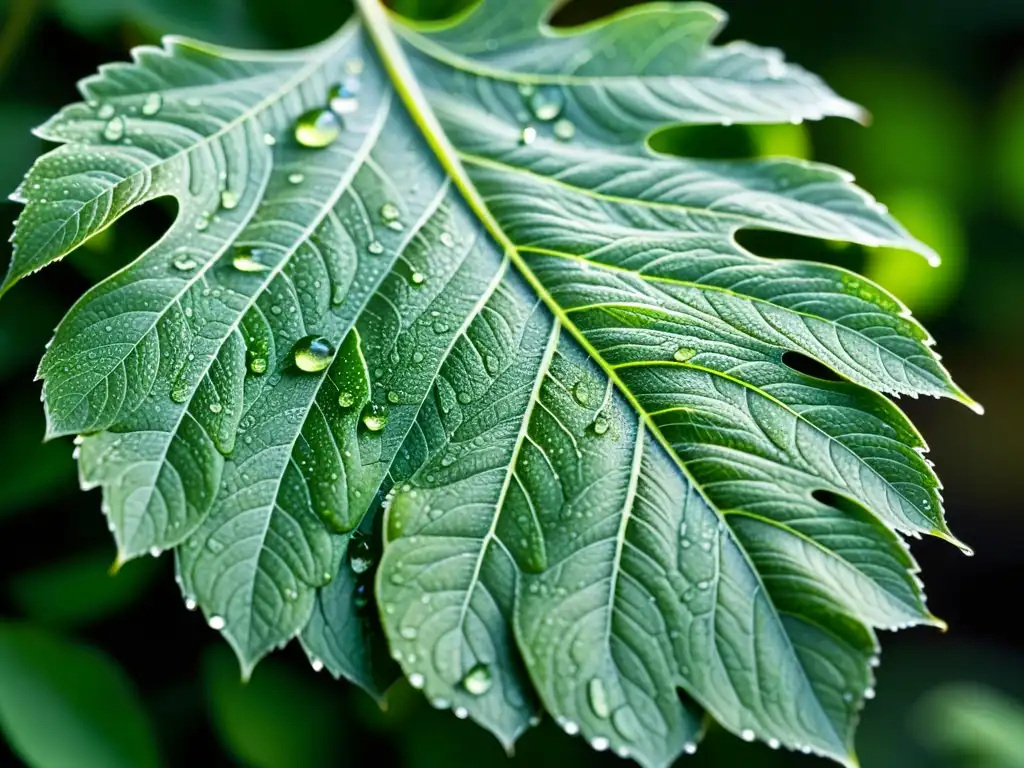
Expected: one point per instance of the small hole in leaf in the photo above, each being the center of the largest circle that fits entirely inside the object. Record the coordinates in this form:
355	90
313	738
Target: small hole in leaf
578	12
834	500
784	245
808	366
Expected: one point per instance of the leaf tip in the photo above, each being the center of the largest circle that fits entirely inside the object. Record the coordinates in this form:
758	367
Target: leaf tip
118	564
946	535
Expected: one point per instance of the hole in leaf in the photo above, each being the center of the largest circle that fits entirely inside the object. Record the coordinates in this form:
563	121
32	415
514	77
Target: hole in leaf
784	245
578	12
834	500
705	142
429	10
808	366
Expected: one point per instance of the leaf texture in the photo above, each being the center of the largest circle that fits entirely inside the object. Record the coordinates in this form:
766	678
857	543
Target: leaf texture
607	493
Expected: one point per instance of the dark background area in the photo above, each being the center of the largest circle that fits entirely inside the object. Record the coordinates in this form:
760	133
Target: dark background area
945	82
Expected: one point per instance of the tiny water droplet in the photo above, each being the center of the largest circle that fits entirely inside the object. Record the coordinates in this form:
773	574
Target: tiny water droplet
228	200
478	680
269	140
581	392
528	135
257	364
416	680
105	112
565	130
408	633
461	712
317	128
417	278
546	104
114	129
312	353
316	664
152	104
393	397
600	425
690	748
346	400
447	239
216	623
389	212
184	264
376	247
747	735
246	260
296	178
599	743
203	222
342	96
417	357
375	417
190	604
598	697
774	743
216	408
683	354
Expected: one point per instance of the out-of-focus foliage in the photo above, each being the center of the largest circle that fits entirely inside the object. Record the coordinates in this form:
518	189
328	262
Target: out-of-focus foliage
974	725
63	704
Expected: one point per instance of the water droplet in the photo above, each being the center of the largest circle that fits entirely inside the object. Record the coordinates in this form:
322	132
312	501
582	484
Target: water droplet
546	104
184	264
105	112
296	178
389	212
598	698
316	664
216	623
869	693
269	140
346	400
152	104
393	397
246	260
375	417
417	357
774	743
683	354
342	96
203	222
416	680
257	364
528	136
312	353
461	712
565	130
747	735
228	200
599	743
478	680
582	393
526	89
317	128
600	425
570	727
216	408
190	604
447	239
689	748
417	278
114	129
376	247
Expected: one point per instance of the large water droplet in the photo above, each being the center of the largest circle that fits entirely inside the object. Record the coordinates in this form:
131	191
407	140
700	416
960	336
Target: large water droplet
546	104
598	697
114	129
246	259
360	557
257	363
478	680
317	128
582	393
152	104
375	417
564	130
312	353
683	354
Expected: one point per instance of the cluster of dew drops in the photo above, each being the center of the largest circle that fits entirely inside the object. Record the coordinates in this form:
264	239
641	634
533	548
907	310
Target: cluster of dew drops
545	105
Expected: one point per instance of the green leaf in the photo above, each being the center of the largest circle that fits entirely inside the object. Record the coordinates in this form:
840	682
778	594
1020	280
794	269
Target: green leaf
477	297
66	704
982	726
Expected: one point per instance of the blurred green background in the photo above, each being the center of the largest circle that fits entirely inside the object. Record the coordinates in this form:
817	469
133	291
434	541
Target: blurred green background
102	671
